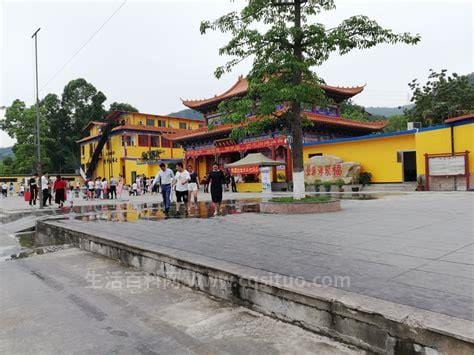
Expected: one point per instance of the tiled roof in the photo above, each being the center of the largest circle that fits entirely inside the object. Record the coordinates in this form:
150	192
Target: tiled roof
241	87
316	118
469	116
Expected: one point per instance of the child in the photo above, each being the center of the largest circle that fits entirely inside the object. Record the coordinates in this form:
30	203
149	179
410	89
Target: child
70	196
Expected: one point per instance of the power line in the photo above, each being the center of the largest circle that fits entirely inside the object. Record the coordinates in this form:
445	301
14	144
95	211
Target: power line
85	44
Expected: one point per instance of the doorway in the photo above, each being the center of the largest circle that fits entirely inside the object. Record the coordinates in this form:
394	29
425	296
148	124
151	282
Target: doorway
409	166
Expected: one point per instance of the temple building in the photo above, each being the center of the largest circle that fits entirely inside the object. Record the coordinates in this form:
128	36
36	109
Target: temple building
131	144
204	146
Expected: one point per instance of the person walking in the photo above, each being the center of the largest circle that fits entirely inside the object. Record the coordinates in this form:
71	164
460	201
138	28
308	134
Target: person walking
90	190
50	190
98	187
33	185
105	189
164	177
59	188
10	189
181	185
232	183
193	186
4	189
113	188
216	179
44	187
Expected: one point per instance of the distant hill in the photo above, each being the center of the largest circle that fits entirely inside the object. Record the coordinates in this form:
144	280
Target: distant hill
6	152
188	113
471	78
387	111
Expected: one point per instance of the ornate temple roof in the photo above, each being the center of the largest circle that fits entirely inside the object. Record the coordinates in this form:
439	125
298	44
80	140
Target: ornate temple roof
317	119
241	86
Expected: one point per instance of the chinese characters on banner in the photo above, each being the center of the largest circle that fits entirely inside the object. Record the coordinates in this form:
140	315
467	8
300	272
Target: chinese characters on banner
244	170
264	143
332	170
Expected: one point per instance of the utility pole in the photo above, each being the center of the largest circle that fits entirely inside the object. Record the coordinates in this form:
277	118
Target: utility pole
38	146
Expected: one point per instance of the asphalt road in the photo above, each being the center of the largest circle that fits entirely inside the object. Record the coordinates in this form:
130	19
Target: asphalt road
74	302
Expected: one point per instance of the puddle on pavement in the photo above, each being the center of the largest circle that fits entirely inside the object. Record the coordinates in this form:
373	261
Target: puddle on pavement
154	211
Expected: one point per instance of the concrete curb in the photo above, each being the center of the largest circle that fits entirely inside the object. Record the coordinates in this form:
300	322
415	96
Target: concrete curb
372	324
300	207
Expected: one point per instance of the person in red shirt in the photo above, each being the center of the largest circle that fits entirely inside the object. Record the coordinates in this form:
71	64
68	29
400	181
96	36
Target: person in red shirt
59	187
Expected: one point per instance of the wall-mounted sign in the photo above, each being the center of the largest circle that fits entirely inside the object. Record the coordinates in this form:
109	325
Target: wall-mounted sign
265	177
447	166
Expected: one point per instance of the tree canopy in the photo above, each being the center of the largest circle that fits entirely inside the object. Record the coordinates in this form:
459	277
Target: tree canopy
62	121
442	96
285	42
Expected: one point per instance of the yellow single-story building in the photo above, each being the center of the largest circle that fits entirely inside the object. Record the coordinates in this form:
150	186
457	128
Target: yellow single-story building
398	157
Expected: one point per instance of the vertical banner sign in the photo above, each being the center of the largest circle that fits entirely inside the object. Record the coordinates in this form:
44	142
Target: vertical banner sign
265	177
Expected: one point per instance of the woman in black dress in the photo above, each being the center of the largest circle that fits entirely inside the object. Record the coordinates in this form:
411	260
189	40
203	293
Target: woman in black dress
216	178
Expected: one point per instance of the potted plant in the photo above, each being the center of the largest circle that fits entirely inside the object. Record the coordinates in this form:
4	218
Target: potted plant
365	178
421	183
317	185
327	185
340	183
355	183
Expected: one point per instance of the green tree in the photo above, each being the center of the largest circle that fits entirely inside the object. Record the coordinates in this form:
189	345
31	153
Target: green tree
120	106
396	123
284	47
82	102
442	96
20	123
354	112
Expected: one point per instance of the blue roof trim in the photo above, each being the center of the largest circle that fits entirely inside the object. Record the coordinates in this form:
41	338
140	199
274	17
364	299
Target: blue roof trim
388	134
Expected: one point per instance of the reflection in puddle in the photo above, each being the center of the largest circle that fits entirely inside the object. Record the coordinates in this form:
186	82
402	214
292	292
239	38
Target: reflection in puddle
154	211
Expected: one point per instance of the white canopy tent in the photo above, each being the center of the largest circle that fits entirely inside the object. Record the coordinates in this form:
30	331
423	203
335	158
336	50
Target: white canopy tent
254	159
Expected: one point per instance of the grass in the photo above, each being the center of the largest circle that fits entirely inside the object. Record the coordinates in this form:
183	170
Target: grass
310	199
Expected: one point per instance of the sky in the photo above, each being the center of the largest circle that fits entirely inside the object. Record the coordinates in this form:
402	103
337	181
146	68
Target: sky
151	53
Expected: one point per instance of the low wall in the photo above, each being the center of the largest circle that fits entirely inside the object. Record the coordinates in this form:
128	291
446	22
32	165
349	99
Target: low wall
375	325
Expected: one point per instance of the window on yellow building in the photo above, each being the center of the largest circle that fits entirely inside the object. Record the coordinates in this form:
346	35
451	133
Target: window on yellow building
161	123
142	140
182	125
165	143
129	141
155	141
200	126
150	122
83	150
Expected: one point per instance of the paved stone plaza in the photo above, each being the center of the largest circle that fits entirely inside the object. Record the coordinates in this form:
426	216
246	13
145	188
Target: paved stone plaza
75	302
413	249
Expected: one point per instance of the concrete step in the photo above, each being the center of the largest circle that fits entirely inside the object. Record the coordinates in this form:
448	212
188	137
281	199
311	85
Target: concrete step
407	186
372	324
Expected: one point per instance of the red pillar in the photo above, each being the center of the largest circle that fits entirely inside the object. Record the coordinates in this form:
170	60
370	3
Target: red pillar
468	172
274	169
289	165
427	173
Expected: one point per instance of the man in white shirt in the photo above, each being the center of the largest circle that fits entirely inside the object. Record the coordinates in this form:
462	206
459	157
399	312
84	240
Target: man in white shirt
44	187
181	181
165	178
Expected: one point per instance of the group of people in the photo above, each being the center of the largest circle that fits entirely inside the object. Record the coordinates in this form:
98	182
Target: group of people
7	189
58	187
186	185
100	188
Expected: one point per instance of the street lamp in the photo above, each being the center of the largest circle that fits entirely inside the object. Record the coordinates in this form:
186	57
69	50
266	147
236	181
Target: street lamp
38	146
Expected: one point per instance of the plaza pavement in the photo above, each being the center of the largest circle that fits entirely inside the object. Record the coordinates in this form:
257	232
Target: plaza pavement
413	249
75	302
